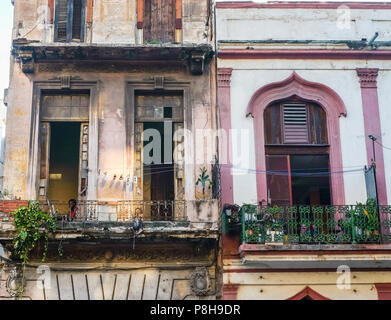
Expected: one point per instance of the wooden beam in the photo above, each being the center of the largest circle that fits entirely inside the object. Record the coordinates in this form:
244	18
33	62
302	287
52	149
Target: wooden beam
178	14
140	13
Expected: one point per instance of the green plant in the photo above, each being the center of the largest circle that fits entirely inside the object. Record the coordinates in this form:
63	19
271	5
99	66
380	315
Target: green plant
203	178
32	226
367	218
153	42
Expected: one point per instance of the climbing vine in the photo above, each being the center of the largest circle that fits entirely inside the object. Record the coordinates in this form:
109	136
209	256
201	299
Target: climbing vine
32	226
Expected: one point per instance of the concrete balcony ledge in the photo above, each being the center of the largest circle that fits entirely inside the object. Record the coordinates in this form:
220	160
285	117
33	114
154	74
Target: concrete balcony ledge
302	256
123	230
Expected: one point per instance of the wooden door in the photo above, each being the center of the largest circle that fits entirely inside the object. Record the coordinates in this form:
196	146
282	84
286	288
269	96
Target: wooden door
279	183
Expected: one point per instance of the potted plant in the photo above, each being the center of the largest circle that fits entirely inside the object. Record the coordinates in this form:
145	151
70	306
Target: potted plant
203	179
273	225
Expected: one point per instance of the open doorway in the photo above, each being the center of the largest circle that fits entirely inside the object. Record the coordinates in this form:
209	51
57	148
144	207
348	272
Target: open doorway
159	180
159	175
297	179
310	179
64	161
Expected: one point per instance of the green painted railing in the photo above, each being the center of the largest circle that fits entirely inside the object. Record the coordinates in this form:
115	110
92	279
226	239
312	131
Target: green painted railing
348	224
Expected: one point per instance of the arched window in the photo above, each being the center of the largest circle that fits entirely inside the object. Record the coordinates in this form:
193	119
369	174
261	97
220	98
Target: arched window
297	153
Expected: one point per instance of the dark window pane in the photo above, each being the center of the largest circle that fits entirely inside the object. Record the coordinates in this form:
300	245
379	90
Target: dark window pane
76	27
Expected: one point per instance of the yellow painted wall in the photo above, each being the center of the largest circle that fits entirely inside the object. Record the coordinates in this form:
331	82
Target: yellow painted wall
283	285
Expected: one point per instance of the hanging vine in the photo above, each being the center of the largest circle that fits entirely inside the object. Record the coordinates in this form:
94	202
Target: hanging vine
32	226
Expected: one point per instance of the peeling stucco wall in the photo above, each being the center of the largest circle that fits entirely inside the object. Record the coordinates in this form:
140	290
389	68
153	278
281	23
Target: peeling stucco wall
114	21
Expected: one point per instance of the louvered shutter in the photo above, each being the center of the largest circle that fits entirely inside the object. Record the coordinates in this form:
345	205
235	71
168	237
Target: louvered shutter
44	145
61	20
295	124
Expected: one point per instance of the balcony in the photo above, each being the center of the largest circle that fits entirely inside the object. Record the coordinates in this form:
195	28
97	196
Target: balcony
328	225
116	219
307	237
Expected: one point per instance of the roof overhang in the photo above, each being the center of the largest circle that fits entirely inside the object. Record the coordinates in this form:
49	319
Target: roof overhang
28	53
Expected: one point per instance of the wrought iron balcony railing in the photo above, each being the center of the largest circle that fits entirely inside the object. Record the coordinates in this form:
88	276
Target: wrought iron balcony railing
348	224
119	211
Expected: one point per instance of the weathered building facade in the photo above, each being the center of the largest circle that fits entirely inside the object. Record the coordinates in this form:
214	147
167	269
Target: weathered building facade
93	83
115	105
304	89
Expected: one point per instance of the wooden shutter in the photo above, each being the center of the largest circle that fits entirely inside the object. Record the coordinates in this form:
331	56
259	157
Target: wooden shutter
70	20
317	124
61	20
159	21
83	171
138	162
272	122
44	145
295	123
179	163
279	180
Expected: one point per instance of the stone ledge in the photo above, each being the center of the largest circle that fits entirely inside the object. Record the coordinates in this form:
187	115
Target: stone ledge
123	230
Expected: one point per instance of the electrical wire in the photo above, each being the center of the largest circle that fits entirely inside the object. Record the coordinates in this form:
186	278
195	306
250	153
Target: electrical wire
295	173
298	172
382	145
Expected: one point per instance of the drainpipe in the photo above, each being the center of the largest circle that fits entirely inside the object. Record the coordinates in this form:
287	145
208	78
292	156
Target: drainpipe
371	42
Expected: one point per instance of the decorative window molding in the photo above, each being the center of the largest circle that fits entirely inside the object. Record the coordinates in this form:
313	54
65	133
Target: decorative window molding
317	93
308	292
33	173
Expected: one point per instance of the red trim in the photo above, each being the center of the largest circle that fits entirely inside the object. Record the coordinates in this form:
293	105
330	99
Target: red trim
224	105
178	14
140	14
337	54
309	253
230	291
90	5
302	5
51	11
372	125
307	291
334	107
383	291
